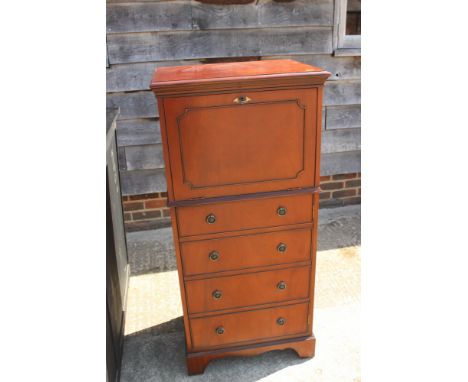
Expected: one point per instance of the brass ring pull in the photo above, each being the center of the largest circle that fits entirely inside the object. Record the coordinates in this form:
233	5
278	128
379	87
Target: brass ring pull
242	100
214	255
211	219
281	285
281	211
219	330
217	294
281	248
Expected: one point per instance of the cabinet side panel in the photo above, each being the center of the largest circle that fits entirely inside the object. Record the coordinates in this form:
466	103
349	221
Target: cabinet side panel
314	261
170	193
165	142
180	271
315	206
318	132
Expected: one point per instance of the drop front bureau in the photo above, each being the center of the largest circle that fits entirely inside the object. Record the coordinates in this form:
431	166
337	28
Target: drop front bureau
242	152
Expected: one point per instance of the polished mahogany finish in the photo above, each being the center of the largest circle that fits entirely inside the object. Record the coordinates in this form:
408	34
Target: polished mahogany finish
245	251
249	326
177	75
259	75
252	152
242	215
242	151
247	289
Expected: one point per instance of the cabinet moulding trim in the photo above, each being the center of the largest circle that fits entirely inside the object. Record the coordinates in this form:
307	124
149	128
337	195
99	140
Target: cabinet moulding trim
233	198
260	82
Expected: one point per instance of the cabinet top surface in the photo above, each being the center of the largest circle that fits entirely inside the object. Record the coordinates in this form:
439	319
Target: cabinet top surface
232	71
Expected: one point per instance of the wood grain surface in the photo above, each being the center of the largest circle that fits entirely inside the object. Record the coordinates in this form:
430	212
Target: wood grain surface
245	251
247	289
250	140
250	326
243	215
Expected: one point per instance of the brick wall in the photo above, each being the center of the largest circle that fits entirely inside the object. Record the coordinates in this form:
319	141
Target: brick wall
146	211
340	190
149	211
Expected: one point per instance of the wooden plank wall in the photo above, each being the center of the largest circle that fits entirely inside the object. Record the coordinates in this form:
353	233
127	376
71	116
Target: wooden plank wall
143	35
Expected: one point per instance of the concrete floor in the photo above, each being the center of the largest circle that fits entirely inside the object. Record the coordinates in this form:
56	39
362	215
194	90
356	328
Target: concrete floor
154	342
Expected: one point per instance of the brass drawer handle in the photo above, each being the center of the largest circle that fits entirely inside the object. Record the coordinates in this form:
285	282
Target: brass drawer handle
219	330
281	285
217	294
281	321
281	248
211	219
242	99
214	255
281	211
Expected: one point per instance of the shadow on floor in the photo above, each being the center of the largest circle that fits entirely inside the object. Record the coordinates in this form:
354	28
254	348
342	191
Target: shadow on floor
344	231
158	354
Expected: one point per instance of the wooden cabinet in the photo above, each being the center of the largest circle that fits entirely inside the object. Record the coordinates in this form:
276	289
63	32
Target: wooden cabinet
242	152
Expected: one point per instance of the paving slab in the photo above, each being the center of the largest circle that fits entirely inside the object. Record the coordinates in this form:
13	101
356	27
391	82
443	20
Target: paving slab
151	251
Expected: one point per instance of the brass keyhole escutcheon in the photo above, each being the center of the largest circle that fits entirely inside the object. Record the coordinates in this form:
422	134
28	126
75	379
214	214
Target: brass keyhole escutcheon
217	294
219	330
211	219
214	255
281	248
242	100
281	211
280	321
281	285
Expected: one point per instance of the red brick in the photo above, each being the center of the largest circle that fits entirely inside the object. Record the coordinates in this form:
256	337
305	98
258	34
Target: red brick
344	176
127	216
166	212
124	198
156	203
325	195
359	191
344	193
133	206
325	178
144	196
353	183
331	186
147	215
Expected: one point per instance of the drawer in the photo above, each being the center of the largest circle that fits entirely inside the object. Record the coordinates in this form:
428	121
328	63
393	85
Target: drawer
247	289
244	214
222	145
255	325
247	251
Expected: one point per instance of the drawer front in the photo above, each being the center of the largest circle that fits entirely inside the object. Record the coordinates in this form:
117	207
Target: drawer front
248	289
248	326
220	145
244	214
241	252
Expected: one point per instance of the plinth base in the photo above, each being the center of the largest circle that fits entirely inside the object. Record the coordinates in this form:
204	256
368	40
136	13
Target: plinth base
303	346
